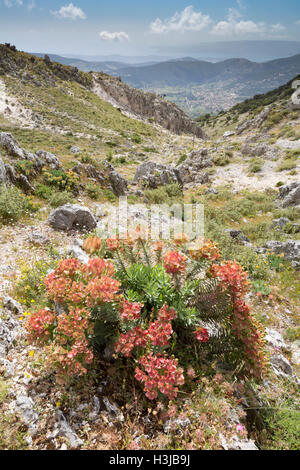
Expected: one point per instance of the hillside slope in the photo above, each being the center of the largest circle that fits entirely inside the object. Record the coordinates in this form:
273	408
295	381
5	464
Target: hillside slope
34	73
69	321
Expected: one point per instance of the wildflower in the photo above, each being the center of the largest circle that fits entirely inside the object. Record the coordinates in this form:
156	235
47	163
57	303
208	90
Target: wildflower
202	335
113	244
161	374
102	290
92	245
191	372
174	262
131	311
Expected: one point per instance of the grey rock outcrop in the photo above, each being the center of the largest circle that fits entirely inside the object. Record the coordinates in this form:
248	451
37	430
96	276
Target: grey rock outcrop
72	217
25	408
264	150
9	143
153	175
190	170
148	106
49	159
75	150
281	366
289	195
2	171
290	249
253	123
63	429
119	185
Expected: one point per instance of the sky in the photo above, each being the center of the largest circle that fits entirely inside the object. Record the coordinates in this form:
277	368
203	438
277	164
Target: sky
134	27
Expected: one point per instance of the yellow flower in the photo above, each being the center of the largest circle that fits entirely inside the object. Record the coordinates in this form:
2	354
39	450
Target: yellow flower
31	353
58	404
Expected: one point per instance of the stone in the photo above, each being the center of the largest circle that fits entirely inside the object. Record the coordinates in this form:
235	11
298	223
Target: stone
237	235
2	171
11	175
290	249
63	429
228	134
281	366
72	217
281	223
37	238
49	159
12	305
289	195
113	410
76	252
295	350
119	184
238	444
75	150
253	123
25	184
25	407
9	143
275	339
177	424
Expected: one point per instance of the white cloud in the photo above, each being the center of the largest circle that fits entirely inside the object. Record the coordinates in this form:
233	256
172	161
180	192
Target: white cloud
11	3
70	12
186	20
117	36
31	5
277	27
234	25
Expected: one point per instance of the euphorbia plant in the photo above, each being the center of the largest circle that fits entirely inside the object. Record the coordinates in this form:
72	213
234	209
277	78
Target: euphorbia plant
150	301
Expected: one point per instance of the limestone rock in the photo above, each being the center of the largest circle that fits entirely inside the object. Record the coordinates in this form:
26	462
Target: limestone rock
289	195
72	217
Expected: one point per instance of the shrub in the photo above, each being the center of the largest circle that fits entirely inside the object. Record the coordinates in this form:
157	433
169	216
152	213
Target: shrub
93	190
256	165
62	180
43	191
287	164
164	194
136	139
13	204
24	167
153	302
221	160
58	199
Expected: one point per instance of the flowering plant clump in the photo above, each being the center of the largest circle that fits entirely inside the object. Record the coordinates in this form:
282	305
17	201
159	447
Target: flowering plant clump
245	327
174	262
152	303
159	374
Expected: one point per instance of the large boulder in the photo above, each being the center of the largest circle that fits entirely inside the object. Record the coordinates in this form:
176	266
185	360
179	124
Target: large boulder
72	217
289	195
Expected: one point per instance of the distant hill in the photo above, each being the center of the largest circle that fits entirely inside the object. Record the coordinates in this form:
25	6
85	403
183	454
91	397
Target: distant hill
198	86
195	72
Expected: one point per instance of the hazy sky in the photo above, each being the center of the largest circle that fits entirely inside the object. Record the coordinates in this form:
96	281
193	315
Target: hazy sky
134	27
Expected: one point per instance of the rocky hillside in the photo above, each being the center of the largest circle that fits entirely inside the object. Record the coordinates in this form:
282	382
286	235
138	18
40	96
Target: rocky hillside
42	73
66	154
